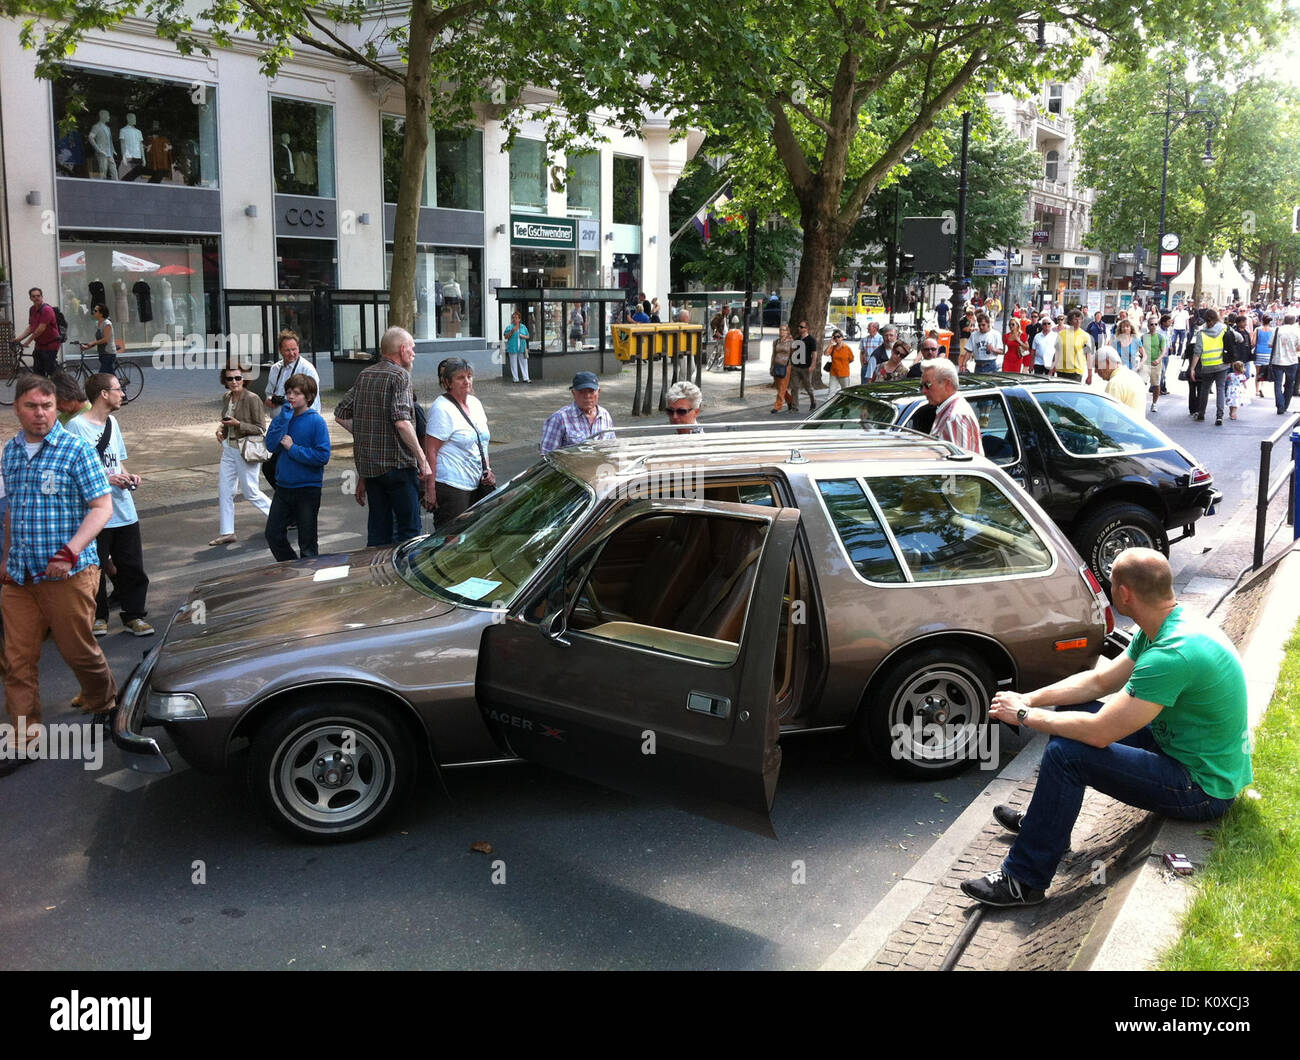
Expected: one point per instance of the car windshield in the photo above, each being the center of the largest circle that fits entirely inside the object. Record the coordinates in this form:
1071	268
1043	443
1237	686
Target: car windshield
852	410
491	551
1088	424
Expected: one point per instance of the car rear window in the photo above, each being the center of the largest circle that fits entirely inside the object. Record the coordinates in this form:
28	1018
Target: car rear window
859	530
1087	424
943	527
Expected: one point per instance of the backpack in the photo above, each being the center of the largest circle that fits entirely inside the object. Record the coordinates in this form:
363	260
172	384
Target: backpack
62	323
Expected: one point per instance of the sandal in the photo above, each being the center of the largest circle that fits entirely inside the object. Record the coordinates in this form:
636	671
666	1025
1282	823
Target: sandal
224	539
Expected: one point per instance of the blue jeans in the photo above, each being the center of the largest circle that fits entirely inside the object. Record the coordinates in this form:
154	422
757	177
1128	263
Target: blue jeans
1283	379
982	367
393	502
303	503
1134	771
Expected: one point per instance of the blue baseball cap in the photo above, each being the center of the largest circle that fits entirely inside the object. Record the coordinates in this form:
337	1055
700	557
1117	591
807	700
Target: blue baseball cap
585	381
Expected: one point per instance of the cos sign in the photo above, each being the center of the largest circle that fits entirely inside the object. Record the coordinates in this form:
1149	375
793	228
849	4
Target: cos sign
304	218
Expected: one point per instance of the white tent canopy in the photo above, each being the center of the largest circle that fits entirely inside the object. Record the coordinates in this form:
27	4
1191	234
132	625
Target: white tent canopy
1218	280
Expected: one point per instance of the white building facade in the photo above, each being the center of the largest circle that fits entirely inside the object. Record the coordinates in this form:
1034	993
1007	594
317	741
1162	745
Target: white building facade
1054	267
183	178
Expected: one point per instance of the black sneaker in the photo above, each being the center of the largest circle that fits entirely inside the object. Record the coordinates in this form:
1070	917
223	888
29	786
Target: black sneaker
997	888
1008	817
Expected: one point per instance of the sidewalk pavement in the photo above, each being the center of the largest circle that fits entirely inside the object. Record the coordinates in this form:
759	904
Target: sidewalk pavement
1112	905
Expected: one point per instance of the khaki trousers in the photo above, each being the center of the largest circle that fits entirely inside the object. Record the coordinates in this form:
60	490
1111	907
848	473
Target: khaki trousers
66	610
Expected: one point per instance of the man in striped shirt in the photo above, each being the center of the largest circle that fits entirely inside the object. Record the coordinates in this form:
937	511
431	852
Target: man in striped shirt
954	420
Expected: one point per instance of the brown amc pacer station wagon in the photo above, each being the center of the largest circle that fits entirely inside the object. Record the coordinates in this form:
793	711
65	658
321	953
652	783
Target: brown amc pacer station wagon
650	614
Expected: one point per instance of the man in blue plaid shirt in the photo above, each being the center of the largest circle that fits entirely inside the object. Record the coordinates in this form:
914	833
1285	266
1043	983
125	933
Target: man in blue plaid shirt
59	501
581	421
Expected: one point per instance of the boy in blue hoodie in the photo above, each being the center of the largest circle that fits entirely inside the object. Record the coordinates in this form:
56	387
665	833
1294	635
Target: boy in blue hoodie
304	441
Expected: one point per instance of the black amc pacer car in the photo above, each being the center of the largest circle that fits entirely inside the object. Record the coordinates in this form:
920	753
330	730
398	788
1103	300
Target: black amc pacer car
651	615
1110	480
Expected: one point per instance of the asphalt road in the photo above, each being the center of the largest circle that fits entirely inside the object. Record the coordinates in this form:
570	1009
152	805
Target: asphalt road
108	871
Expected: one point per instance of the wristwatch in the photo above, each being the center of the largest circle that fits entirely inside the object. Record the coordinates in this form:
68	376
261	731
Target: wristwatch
1022	714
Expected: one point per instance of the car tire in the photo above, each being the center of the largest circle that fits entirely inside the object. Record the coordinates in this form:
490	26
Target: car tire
1113	528
331	772
927	715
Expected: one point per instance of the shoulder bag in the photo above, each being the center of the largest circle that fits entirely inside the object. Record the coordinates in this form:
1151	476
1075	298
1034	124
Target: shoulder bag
487	480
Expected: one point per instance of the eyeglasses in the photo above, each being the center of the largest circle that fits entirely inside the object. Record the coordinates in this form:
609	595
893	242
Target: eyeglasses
928	386
929	349
234	379
679	411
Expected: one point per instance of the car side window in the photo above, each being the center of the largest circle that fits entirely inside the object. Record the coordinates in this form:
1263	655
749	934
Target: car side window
860	531
995	428
957	526
1088	424
675	582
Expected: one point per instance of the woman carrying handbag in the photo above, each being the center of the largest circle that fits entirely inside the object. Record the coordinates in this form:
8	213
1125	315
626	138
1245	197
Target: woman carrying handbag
241	434
456	445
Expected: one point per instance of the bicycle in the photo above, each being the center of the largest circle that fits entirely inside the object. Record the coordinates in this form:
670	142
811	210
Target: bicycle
14	361
128	373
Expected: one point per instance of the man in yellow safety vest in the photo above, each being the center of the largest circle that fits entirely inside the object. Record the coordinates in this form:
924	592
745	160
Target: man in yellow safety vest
1208	366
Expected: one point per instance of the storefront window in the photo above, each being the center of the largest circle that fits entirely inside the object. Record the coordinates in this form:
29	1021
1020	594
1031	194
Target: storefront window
627	191
301	264
528	176
394	140
539	267
583	184
151	288
453	166
448	292
302	147
459	169
120	127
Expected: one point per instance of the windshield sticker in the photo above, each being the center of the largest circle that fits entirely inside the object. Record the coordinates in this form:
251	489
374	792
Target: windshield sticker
330	574
473	588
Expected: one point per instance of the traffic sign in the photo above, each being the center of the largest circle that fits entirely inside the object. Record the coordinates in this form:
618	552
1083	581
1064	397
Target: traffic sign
990	267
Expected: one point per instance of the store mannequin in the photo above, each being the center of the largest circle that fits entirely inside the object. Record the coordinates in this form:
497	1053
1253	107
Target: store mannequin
97	295
159	154
168	306
102	163
283	164
451	296
143	300
121	305
131	140
304	164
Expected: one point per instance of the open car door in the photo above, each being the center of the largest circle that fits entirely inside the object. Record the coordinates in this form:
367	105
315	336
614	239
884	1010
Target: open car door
647	666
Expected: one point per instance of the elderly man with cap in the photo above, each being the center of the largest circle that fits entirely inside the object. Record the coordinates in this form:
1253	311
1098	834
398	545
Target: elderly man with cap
581	421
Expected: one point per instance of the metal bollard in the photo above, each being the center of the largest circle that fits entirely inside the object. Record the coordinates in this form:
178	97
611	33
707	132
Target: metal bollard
1295	484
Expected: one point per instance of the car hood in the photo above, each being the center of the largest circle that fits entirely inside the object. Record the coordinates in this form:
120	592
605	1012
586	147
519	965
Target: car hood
264	609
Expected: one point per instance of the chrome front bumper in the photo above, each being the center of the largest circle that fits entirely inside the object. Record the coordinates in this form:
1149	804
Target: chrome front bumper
140	752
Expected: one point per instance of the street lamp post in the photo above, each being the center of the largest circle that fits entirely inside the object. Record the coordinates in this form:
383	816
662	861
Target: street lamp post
1207	160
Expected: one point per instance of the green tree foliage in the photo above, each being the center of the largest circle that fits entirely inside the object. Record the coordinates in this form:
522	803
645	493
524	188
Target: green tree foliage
1244	123
821	100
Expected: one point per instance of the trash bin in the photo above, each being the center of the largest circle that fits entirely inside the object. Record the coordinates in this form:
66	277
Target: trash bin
732	348
945	342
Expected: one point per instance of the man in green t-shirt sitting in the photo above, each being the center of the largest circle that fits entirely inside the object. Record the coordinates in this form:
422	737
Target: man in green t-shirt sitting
1173	737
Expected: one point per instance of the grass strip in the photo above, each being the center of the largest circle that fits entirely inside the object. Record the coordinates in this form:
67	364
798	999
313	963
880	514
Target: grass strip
1246	915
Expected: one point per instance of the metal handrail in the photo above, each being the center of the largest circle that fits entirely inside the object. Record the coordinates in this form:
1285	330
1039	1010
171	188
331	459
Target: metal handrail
1268	490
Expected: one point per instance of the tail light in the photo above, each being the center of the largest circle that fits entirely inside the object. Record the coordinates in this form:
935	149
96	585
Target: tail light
1200	477
1094	586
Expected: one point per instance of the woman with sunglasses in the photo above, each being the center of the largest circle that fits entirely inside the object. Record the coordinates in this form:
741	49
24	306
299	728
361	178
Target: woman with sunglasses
241	417
456	444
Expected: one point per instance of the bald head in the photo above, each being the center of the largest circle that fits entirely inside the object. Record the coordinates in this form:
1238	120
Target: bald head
1146	574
